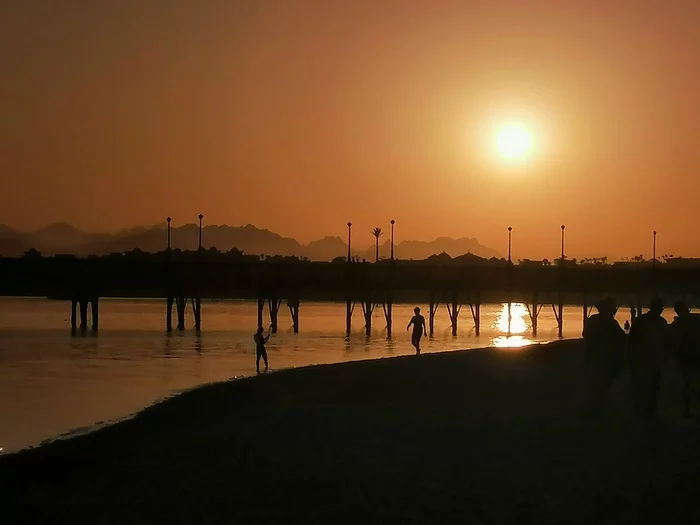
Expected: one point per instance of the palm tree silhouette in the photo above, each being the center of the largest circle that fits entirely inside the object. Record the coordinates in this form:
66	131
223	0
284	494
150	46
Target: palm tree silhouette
377	233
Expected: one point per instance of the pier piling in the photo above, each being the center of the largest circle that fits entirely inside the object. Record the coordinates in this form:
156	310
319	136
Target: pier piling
73	316
476	316
181	305
454	313
293	305
534	312
559	315
169	313
433	306
83	314
349	308
387	315
198	313
95	303
274	308
261	307
367	311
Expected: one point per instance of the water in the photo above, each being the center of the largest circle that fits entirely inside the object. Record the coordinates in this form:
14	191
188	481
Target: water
52	383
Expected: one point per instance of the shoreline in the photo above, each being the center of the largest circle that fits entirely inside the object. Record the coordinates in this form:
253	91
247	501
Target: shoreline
489	436
97	426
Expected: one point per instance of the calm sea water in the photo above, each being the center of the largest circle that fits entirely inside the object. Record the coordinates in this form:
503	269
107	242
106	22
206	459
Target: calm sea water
52	384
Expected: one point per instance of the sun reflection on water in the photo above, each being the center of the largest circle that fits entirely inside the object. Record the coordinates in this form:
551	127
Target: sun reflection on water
512	321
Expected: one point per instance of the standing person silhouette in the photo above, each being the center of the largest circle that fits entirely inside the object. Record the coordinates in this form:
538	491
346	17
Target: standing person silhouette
648	344
605	344
418	322
260	351
685	331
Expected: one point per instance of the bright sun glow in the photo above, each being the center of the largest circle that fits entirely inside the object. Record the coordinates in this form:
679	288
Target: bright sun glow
513	141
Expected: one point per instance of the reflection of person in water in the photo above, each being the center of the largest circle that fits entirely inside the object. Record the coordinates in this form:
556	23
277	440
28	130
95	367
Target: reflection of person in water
260	351
605	346
418	322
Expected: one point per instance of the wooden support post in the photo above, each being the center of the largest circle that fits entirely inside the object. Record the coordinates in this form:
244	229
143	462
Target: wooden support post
293	305
534	313
198	313
169	313
585	310
476	315
367	311
73	316
388	315
261	307
478	318
181	306
431	314
561	315
510	317
349	307
454	313
83	314
95	313
274	307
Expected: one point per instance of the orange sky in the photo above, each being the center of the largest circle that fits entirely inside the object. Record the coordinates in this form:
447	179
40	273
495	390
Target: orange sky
300	116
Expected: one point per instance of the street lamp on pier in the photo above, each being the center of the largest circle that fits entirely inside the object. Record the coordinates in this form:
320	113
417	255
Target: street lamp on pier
510	234
168	221
392	238
562	244
349	237
200	230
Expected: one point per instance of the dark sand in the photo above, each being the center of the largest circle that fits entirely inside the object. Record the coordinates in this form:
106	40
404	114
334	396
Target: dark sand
491	436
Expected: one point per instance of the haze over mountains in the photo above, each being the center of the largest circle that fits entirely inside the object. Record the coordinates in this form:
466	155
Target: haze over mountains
62	238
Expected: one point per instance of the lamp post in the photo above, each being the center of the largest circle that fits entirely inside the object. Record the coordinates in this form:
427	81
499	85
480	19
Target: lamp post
168	221
653	260
392	238
510	233
562	244
200	230
349	234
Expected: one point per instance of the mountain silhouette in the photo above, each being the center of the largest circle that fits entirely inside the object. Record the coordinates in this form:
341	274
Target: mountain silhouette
63	238
419	250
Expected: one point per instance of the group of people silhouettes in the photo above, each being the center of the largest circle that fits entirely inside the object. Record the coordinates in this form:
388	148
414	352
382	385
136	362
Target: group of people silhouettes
651	341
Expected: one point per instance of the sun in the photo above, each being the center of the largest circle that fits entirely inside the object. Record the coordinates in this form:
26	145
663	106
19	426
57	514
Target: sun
513	141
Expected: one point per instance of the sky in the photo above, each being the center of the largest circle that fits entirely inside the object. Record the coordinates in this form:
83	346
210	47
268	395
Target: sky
301	116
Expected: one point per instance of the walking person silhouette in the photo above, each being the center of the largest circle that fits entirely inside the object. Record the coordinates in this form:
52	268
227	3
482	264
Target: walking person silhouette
260	351
418	322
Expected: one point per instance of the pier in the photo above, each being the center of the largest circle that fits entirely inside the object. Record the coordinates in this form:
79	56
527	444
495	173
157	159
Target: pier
185	279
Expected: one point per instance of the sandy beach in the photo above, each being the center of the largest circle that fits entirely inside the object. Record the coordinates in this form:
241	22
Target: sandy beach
481	436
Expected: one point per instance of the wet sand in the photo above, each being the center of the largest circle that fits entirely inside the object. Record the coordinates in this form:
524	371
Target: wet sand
480	436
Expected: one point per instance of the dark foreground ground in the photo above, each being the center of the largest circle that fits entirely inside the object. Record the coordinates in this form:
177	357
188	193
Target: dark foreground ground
476	437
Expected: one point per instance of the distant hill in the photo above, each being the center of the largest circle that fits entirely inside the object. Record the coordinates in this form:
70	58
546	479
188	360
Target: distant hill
62	238
419	250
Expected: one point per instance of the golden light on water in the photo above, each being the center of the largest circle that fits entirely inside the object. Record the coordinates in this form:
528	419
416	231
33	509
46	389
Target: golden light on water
512	321
515	341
